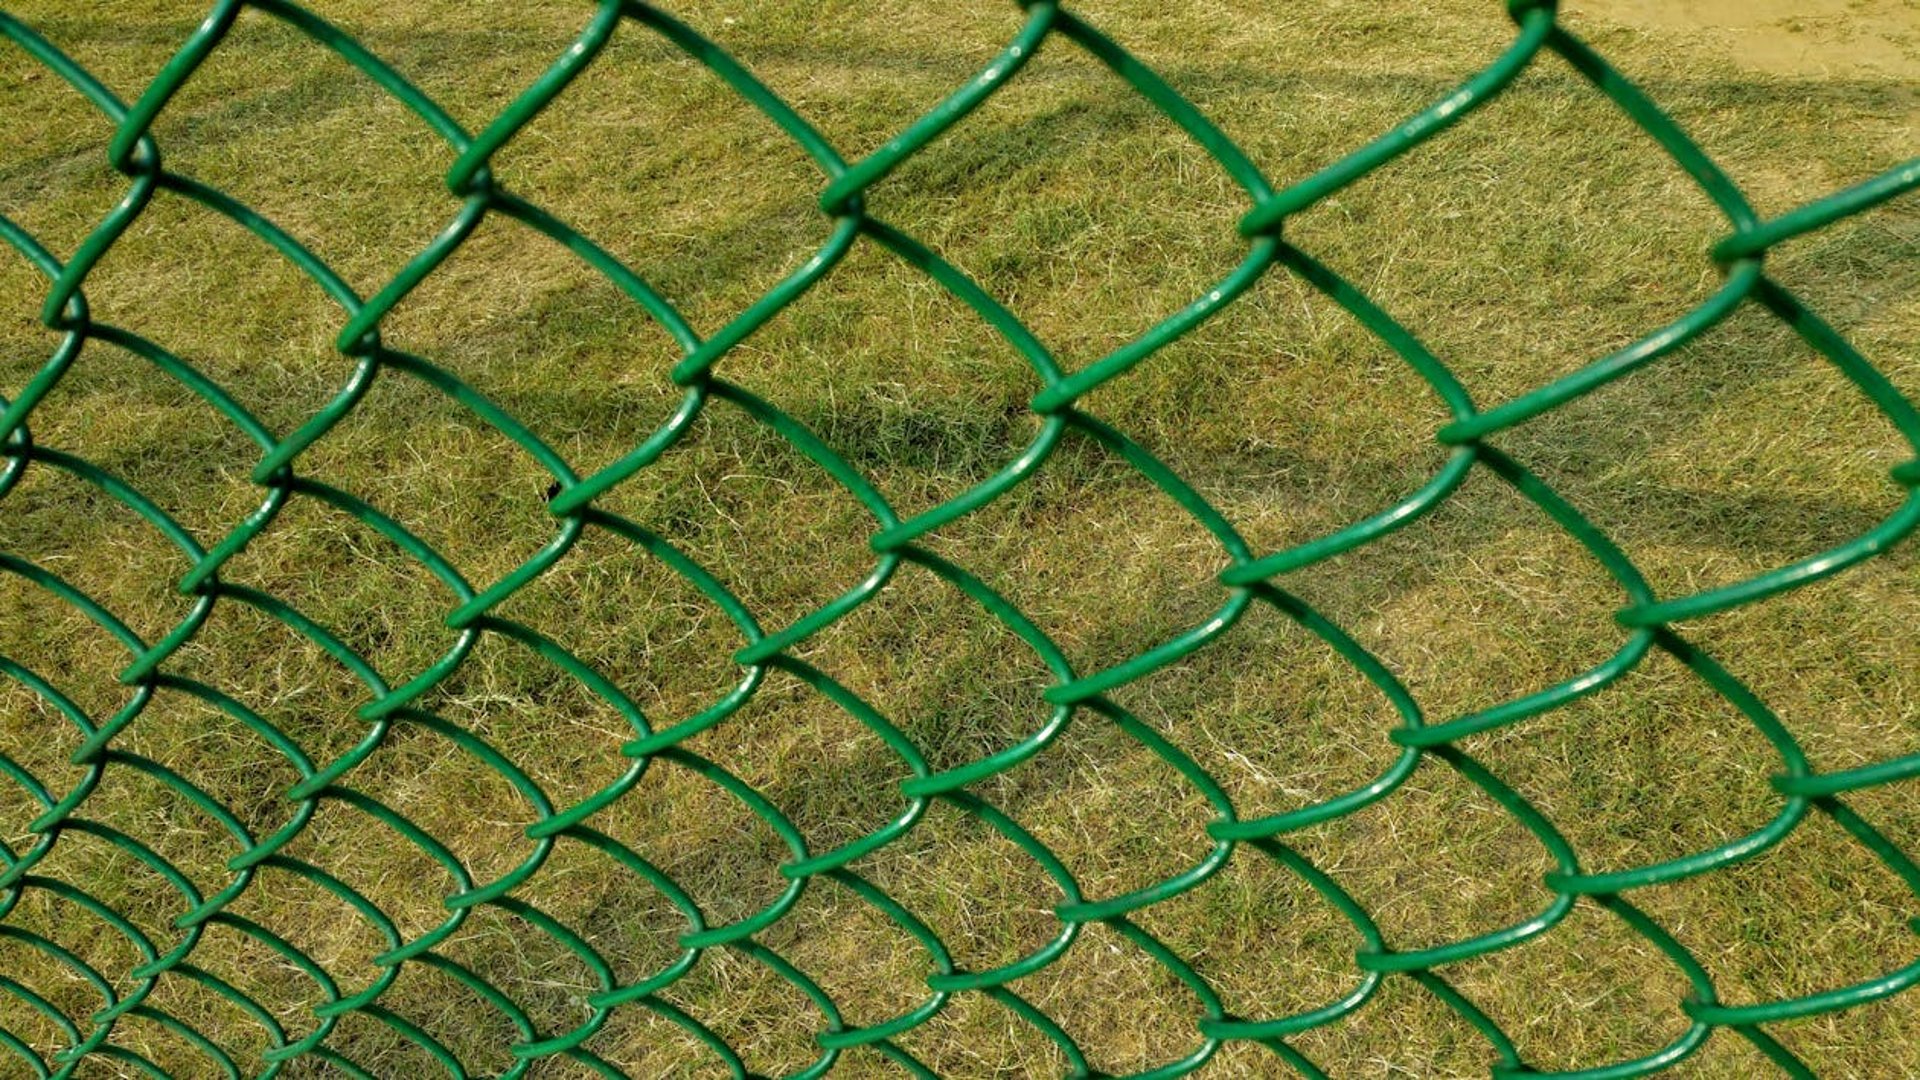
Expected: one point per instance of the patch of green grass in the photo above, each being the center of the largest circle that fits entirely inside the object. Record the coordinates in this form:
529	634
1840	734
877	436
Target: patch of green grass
1539	234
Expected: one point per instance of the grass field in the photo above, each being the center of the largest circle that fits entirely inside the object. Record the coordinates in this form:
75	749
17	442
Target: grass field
1542	232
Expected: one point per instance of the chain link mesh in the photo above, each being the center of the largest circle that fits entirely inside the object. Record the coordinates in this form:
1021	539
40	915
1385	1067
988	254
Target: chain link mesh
1252	578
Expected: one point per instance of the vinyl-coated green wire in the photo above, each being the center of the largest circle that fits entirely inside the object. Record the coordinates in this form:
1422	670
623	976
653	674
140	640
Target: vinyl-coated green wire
1076	697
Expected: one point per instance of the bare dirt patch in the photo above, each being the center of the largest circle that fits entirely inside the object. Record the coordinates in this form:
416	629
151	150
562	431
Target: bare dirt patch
1799	38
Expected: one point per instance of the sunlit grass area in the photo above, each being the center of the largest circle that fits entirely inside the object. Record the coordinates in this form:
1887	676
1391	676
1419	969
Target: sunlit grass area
1541	233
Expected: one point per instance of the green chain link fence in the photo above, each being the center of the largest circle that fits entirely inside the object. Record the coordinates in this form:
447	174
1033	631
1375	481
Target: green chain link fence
1252	578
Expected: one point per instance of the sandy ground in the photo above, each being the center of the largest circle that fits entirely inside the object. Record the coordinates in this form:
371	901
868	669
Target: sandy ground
1804	38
